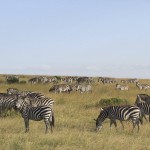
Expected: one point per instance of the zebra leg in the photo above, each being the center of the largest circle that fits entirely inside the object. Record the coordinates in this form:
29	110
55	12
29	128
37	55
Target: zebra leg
113	122
51	122
46	124
26	124
122	124
145	117
135	122
141	120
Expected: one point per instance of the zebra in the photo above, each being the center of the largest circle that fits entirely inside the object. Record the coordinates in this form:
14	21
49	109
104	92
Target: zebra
35	102
143	98
105	80
84	88
142	86
87	80
121	113
145	109
122	87
12	91
35	113
60	88
7	102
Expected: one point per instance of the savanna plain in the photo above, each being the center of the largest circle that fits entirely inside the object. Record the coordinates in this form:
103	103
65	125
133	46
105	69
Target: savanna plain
74	121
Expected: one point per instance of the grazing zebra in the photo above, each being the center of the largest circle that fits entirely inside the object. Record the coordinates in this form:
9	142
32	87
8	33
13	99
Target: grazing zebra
60	88
121	113
122	87
143	98
142	86
105	80
84	88
35	113
145	109
7	102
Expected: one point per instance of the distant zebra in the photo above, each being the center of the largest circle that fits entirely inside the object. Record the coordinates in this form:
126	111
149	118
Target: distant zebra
59	88
122	87
122	113
84	88
35	113
142	86
145	109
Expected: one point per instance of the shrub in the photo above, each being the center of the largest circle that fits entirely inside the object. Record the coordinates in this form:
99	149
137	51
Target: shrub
23	82
12	79
111	102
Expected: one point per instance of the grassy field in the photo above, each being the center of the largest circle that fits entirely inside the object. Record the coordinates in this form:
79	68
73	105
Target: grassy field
74	124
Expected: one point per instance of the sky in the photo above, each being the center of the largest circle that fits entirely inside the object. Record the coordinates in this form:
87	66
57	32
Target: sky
75	38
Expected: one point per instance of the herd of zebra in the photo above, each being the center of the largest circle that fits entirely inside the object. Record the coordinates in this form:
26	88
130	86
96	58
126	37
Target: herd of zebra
36	106
135	112
31	105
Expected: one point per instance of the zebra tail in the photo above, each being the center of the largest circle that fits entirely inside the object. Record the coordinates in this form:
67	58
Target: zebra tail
53	120
141	118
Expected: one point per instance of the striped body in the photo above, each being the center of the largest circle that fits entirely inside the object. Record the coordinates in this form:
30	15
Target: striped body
122	87
142	86
142	98
35	113
121	113
60	88
145	109
35	102
7	102
84	88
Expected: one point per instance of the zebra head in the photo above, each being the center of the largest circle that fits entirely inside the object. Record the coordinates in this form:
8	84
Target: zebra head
102	116
21	102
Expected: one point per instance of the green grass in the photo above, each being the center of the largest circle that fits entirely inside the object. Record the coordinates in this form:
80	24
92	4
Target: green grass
74	124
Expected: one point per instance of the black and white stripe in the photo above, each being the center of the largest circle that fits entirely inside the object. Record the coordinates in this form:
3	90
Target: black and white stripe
39	101
121	113
35	113
7	102
142	98
145	109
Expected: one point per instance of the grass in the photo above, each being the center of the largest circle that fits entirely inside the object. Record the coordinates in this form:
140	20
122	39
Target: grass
74	124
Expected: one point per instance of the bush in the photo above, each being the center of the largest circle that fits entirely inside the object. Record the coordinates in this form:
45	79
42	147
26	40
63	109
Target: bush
23	82
12	79
112	102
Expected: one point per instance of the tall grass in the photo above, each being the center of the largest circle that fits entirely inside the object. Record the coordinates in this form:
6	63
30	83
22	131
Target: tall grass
74	124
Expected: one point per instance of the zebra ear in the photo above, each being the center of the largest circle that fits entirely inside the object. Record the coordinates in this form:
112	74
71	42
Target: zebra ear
102	109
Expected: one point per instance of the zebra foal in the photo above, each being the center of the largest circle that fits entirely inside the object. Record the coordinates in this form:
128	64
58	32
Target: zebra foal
35	113
121	113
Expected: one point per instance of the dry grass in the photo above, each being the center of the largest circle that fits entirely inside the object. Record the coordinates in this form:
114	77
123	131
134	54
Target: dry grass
74	124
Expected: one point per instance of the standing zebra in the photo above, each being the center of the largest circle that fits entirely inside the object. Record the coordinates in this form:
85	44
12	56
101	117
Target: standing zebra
145	109
122	113
7	102
143	98
35	113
